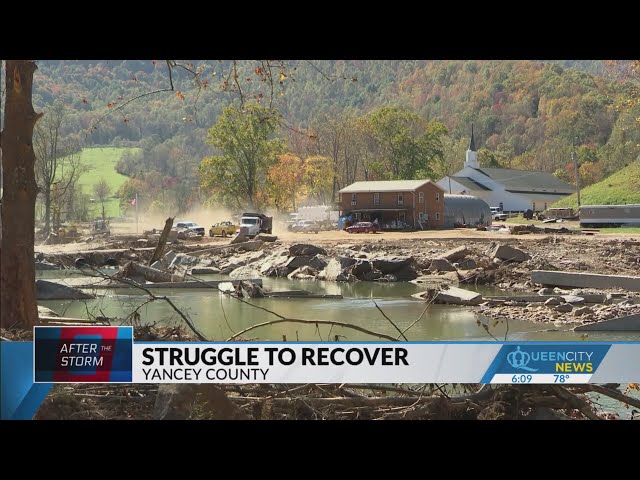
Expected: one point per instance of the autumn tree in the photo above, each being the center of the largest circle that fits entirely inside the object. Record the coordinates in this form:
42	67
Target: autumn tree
285	181
246	137
102	190
318	178
57	162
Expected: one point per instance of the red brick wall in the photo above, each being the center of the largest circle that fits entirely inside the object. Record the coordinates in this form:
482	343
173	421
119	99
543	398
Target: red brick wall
433	204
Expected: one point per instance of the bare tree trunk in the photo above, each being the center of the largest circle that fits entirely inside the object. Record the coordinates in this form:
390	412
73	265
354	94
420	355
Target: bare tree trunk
157	253
137	270
17	268
47	209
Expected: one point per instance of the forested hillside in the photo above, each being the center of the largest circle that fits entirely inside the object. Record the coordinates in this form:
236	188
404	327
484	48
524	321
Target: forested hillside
526	114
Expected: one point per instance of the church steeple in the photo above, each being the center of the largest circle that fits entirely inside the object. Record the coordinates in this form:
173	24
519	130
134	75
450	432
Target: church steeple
472	143
472	155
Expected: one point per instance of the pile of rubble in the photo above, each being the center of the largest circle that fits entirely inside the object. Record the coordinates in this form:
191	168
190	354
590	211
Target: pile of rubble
558	310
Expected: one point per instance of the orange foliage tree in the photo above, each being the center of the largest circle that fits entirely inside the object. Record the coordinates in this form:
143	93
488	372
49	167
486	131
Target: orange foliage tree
284	181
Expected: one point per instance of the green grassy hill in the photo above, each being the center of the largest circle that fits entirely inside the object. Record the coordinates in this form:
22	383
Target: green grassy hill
101	162
620	188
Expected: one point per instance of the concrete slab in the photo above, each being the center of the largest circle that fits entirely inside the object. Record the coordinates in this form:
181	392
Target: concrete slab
585	280
630	323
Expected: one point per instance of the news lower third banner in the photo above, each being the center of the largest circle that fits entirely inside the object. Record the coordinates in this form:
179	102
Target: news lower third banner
109	355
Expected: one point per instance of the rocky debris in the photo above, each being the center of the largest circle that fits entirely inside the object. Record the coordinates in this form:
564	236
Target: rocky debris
249	290
319	262
244	273
303	273
455	254
251	246
564	308
297	262
372	276
564	313
582	311
46	290
239	238
552	302
360	268
405	275
392	264
205	271
183	259
263	237
274	267
305	249
336	270
546	291
243	288
388	260
435	281
451	295
627	323
573	299
466	264
509	254
441	265
588	280
46	312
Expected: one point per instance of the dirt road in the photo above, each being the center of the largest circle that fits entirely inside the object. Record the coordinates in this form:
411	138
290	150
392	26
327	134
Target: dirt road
336	236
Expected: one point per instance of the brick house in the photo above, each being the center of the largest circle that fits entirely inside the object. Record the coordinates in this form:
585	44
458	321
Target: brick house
396	204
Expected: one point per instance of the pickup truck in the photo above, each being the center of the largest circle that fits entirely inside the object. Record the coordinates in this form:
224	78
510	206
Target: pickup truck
498	215
223	229
192	226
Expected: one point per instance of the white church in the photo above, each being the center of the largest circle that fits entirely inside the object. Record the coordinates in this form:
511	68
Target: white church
513	190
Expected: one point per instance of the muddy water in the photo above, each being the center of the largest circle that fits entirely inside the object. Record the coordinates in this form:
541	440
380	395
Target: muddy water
219	316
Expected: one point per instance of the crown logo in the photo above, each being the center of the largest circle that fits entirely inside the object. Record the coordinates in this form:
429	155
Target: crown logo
520	360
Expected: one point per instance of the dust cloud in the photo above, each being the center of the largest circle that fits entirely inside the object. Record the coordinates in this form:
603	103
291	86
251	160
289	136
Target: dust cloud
205	216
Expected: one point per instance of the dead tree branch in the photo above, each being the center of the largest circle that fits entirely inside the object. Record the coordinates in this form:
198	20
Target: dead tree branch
390	321
312	322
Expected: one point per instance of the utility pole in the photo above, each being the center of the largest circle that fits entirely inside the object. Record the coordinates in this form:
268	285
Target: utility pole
575	163
449	176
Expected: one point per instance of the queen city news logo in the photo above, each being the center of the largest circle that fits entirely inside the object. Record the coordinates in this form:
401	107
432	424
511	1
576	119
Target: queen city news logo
550	358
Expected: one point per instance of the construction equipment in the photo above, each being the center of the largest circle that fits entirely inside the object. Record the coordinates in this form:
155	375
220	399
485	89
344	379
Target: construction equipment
255	223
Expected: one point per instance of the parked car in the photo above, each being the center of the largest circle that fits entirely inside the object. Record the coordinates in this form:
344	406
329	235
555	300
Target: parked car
363	227
192	226
305	226
223	229
498	214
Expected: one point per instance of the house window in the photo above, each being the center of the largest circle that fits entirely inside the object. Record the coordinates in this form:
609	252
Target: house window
420	197
437	216
353	199
376	199
401	216
437	196
358	216
400	198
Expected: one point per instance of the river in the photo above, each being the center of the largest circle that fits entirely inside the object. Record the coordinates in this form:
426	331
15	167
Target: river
220	316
